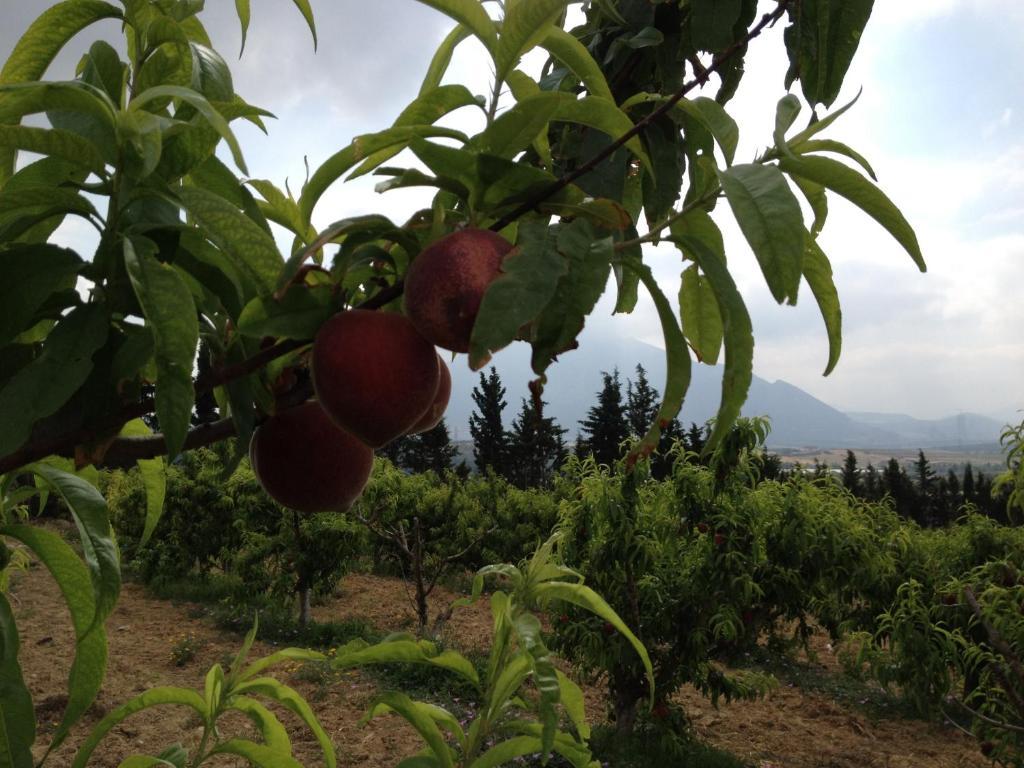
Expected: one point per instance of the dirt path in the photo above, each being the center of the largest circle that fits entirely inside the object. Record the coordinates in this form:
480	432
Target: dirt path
791	728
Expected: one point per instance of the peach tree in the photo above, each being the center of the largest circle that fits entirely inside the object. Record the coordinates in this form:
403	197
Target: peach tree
621	141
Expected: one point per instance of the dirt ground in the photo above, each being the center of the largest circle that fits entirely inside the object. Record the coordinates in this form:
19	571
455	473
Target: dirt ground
792	728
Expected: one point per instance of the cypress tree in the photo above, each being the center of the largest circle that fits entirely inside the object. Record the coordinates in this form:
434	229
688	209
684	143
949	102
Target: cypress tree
430	450
642	403
537	446
490	440
850	477
696	437
968	486
606	427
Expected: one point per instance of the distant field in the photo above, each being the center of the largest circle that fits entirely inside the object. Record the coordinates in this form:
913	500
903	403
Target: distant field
988	461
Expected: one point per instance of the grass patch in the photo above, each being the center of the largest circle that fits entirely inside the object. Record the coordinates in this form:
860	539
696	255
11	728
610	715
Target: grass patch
649	747
864	696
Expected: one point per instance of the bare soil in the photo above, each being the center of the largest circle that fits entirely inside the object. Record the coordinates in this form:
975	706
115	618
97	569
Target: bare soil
791	728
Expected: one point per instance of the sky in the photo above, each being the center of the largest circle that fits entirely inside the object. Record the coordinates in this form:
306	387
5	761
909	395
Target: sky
940	118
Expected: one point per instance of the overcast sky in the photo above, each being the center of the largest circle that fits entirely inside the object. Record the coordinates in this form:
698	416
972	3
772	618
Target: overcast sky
940	120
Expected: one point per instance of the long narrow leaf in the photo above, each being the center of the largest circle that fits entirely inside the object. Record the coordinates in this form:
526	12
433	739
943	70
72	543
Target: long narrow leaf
426	726
739	335
288	698
848	183
818	274
171	315
154	697
17	715
72	577
471	14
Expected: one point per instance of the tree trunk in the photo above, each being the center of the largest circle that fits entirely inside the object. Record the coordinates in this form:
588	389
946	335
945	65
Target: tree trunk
304	608
422	609
626	690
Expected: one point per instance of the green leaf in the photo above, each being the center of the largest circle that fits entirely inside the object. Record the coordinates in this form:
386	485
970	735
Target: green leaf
38	47
338	164
702	322
72	577
371	225
815	195
202	106
425	725
154	480
89	510
244	15
587	599
429	107
818	126
504	752
53	143
846	182
572	53
288	698
471	14
785	115
521	125
274	734
769	216
154	697
171	314
211	76
307	13
571	697
525	25
818	274
716	120
17	715
406	651
603	115
739	334
32	273
827	145
829	33
250	248
144	761
677	375
589	263
297	315
280	208
712	22
257	755
528	280
40	388
285	654
443	58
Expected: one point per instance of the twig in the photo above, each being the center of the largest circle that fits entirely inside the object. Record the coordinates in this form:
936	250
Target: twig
701	78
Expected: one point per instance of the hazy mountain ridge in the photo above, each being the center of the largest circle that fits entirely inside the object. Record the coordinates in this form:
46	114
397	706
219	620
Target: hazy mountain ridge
798	418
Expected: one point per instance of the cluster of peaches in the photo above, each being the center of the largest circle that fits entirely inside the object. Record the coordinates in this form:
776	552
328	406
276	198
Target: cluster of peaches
377	376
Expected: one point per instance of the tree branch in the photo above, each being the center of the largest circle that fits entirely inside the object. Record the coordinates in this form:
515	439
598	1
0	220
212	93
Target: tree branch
64	444
702	77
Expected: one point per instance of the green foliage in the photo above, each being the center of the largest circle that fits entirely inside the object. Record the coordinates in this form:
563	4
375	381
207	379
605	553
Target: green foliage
226	691
230	526
521	696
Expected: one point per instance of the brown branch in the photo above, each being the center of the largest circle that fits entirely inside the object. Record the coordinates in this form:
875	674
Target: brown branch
701	78
64	444
125	451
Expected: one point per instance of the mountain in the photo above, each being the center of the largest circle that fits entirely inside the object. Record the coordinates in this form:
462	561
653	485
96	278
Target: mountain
799	420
